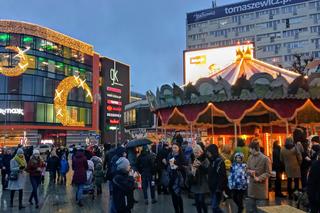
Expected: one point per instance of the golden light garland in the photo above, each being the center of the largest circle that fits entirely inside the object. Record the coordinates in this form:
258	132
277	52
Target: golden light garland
22	65
9	26
61	98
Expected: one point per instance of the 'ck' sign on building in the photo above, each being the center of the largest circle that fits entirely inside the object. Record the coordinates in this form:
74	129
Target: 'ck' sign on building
114	77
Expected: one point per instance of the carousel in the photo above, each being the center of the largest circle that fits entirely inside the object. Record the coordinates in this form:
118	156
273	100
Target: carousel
249	98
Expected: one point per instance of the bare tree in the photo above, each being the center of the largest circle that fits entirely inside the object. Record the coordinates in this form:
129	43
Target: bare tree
300	63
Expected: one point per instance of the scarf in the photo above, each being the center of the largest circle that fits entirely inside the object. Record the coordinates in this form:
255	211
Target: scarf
21	161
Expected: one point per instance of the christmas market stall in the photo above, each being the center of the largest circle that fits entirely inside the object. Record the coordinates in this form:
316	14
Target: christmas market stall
249	98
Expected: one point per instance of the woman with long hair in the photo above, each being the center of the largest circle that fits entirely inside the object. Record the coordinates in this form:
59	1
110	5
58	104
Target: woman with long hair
198	178
17	176
176	168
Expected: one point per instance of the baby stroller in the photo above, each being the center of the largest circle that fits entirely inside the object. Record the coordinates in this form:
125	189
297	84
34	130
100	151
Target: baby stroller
88	188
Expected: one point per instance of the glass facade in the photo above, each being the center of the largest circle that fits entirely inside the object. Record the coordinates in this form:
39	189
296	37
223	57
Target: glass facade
33	91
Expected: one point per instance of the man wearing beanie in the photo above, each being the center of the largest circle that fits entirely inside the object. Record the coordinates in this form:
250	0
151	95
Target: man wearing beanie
123	186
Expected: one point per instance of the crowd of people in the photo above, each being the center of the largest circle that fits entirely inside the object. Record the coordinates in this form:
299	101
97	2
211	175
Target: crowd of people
176	168
194	169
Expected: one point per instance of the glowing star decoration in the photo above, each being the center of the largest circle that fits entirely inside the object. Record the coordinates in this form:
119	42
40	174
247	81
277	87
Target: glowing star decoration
61	98
22	65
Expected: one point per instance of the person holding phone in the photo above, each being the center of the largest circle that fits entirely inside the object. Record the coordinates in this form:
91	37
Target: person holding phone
259	170
176	169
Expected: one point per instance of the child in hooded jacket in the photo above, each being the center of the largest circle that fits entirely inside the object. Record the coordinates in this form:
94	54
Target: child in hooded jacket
238	180
98	175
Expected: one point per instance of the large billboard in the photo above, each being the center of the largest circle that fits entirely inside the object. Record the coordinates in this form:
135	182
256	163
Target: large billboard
115	93
237	8
203	63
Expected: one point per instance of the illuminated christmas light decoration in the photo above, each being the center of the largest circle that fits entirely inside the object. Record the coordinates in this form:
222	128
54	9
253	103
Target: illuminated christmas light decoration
22	66
8	26
61	98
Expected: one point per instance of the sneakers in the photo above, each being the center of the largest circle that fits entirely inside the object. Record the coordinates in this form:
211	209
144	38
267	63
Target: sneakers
154	201
146	202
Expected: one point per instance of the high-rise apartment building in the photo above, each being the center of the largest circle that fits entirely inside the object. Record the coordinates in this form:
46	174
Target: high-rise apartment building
279	29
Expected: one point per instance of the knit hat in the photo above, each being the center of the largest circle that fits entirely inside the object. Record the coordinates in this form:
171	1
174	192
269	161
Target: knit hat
20	151
238	154
315	139
123	164
35	152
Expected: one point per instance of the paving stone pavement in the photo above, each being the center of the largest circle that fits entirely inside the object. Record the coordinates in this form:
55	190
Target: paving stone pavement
61	199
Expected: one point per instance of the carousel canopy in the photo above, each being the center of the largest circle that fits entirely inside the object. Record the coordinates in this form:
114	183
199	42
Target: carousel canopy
248	92
246	65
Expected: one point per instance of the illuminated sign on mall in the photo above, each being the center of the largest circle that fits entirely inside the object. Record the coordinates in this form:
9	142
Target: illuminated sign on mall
113	115
11	111
114	76
237	8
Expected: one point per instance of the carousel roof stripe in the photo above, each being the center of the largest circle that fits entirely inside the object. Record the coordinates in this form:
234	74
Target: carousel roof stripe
246	65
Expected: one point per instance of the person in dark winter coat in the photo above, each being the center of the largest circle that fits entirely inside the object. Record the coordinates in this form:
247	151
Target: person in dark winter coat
162	156
313	186
5	167
176	166
123	186
53	165
278	167
217	177
198	178
306	162
80	167
315	146
114	156
112	166
146	167
35	166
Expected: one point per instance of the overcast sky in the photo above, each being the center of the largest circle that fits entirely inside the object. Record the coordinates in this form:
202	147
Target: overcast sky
150	35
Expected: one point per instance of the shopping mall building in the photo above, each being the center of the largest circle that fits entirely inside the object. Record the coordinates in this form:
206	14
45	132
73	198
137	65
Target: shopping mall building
49	86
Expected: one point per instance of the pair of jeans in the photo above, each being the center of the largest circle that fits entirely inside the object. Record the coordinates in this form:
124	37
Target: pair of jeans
4	179
53	176
215	202
237	196
112	206
289	186
252	205
200	200
177	202
148	182
35	182
79	192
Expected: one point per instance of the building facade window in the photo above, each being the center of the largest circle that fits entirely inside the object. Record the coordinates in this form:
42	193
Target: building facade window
49	63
